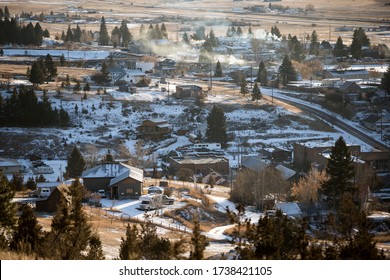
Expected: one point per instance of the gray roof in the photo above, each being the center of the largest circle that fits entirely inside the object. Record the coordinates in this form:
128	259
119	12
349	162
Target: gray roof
254	163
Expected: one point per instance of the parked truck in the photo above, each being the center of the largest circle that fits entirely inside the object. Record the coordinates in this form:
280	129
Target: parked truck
154	201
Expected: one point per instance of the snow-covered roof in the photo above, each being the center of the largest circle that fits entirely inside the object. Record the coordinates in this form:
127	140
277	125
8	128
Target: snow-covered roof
113	170
287	173
254	163
9	162
289	208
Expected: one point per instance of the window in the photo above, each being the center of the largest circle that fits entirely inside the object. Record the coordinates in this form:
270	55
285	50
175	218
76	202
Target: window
129	190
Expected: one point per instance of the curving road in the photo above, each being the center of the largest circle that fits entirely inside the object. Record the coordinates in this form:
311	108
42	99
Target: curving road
332	118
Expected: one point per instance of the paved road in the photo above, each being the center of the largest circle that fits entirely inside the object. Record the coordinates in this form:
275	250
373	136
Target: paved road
333	119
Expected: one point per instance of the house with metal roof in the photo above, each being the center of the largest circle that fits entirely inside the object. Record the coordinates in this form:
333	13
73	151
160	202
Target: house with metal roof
118	179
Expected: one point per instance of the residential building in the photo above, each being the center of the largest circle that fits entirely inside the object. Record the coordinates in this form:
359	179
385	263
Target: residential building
346	74
51	203
10	166
154	129
200	165
118	179
188	91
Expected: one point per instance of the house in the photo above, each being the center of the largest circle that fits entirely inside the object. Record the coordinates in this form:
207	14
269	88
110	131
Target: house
216	178
315	212
166	67
380	96
346	74
200	165
120	75
120	180
10	166
188	91
286	173
254	163
154	129
372	122
291	209
51	203
351	91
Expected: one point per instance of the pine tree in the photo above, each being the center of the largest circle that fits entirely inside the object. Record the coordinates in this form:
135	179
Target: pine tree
51	68
75	164
62	60
164	31
340	171
218	70
286	71
216	126
8	211
104	38
385	81
356	48
275	31
198	242
7	14
36	73
262	76
296	49
256	94
244	86
360	35
212	39
77	34
28	234
186	38
125	34
38	34
95	251
339	48
69	35
314	48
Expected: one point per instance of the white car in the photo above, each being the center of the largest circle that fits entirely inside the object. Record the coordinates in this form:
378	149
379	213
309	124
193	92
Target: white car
102	193
45	192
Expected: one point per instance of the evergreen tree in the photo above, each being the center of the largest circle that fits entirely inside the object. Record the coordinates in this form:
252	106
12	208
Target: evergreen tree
212	39
262	76
62	60
250	33
77	34
142	30
296	49
218	70
51	68
38	34
69	35
385	81
340	171
186	38
286	71
104	38
36	73
314	48
8	211
216	126
116	36
28	234
356	48
256	95
46	33
105	73
198	242
95	251
244	86
275	31
7	14
125	34
75	164
239	32
164	31
360	35
146	244
339	48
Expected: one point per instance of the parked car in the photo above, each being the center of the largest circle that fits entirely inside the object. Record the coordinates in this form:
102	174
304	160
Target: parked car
102	193
167	200
45	192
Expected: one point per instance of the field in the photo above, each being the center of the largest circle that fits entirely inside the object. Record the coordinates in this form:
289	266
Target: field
320	15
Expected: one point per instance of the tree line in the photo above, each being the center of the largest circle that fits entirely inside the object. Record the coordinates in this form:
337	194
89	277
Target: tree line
12	33
24	109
